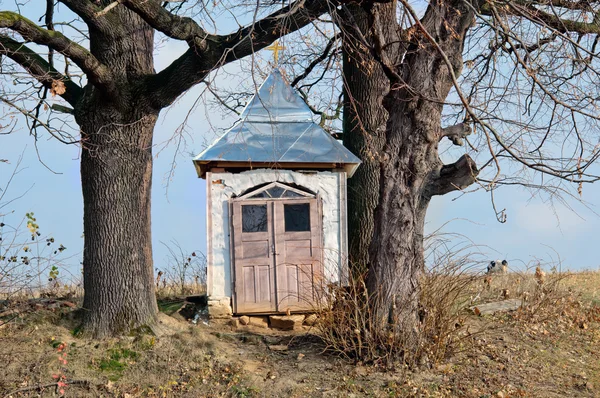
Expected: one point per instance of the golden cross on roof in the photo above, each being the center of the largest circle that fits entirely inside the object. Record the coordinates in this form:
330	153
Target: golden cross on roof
275	47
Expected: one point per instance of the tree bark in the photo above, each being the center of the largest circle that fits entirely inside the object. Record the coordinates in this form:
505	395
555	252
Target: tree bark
116	174
411	171
397	256
365	85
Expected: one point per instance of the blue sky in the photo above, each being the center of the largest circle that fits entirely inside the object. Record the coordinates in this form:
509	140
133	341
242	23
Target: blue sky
534	229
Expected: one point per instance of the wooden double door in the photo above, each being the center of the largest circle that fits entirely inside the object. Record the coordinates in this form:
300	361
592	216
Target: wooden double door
277	254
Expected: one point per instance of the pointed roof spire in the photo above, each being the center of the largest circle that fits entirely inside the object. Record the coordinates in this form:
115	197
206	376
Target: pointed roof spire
276	101
277	129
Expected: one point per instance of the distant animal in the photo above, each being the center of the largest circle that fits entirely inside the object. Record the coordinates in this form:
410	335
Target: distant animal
497	267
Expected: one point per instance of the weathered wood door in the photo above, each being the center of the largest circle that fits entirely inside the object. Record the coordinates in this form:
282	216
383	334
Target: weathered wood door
277	251
298	253
253	243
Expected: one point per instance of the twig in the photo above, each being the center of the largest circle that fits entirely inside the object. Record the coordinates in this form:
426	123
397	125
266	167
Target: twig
85	383
9	321
107	9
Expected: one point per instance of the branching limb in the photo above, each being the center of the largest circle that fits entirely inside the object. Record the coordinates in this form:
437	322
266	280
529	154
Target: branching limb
530	10
173	26
39	68
456	133
317	60
208	52
53	132
92	15
260	34
454	177
96	72
49	21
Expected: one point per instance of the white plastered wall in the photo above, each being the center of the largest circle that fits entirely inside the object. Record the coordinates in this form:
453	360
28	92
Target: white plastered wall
330	186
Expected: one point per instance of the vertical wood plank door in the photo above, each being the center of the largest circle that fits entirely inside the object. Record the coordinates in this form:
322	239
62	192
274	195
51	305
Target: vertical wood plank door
298	253
254	263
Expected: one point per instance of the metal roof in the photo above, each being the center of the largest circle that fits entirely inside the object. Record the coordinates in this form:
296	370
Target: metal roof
277	127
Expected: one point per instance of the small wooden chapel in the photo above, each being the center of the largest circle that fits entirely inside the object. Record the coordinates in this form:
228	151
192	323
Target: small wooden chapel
276	207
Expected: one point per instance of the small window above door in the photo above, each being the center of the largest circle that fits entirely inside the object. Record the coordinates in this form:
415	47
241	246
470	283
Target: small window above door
277	190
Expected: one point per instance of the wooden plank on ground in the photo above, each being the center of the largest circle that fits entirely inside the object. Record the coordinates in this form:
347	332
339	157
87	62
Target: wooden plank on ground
498	306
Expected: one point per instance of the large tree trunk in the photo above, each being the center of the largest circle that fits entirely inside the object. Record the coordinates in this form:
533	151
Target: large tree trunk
411	171
116	174
365	85
397	247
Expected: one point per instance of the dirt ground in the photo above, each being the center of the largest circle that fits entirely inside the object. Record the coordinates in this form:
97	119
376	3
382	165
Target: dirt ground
549	351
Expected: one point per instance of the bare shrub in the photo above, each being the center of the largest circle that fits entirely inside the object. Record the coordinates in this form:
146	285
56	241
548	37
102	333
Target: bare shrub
31	264
347	325
548	298
184	272
445	294
552	301
453	281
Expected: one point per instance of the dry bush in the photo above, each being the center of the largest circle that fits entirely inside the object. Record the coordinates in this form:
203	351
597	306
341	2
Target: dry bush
31	264
346	322
553	302
452	282
445	287
551	299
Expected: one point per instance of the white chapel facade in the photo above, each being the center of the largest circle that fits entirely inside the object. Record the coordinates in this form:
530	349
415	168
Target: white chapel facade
276	207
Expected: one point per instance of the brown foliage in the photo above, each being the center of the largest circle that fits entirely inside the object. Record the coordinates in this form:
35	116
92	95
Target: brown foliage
348	327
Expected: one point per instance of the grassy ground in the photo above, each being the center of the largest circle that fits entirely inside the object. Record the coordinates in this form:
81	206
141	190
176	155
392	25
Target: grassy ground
549	349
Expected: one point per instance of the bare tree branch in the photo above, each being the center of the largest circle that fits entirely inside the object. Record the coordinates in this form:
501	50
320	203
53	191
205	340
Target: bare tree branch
208	52
317	60
39	68
90	13
96	72
532	11
174	26
455	176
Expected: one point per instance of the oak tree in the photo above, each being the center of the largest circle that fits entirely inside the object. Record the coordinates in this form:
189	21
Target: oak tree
105	73
512	84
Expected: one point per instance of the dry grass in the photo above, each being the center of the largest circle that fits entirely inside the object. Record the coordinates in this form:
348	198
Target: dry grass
549	348
188	360
168	290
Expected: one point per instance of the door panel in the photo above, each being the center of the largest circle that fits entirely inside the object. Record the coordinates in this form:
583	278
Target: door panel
256	249
277	254
297	248
253	260
298	253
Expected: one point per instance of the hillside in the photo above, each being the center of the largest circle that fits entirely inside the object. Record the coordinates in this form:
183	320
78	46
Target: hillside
551	350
